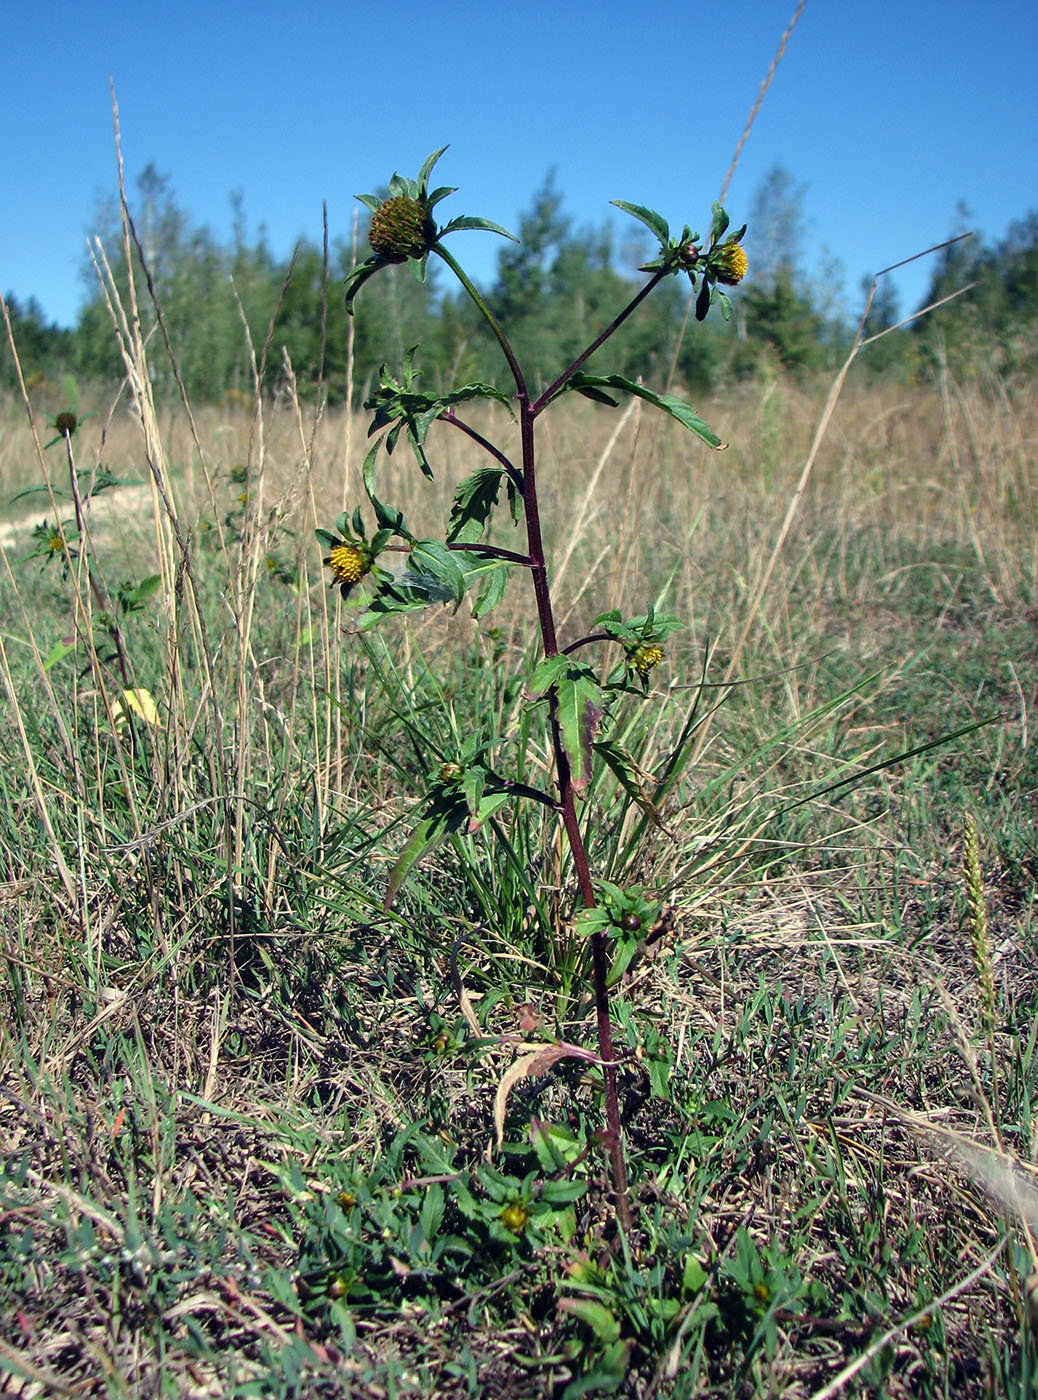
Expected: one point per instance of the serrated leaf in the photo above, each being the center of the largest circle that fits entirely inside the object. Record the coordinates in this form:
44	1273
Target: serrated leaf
545	676
561	1193
468	221
492	589
432	561
675	407
654	222
473	502
475	391
579	716
448	813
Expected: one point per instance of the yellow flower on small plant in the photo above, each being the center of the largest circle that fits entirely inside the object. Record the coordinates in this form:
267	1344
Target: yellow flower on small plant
646	657
56	542
730	263
349	563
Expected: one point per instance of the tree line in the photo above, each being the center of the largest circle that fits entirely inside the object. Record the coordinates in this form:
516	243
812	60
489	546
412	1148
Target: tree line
552	291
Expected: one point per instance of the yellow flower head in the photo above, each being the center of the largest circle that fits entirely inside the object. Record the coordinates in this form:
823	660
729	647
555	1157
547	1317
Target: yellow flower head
56	543
646	657
349	562
729	262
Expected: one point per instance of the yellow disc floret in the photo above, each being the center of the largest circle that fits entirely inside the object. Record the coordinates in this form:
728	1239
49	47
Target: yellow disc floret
730	263
646	657
349	563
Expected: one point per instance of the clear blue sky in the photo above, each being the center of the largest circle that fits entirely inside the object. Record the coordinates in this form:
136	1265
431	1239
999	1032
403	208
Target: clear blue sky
889	112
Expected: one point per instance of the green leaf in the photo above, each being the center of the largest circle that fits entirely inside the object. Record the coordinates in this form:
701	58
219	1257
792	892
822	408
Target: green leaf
546	675
475	499
475	391
594	1315
388	517
580	715
492	590
654	222
624	950
466	221
57	653
358	277
427	165
433	563
720	223
628	775
675	407
561	1193
448	812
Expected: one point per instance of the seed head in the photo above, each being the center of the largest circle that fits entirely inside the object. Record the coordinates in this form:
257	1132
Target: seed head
645	657
349	562
66	424
401	228
729	262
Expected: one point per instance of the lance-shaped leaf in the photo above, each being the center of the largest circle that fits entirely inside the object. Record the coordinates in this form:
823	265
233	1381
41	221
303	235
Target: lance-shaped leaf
579	716
675	407
634	780
474	500
469	221
654	222
388	517
719	225
448	812
492	590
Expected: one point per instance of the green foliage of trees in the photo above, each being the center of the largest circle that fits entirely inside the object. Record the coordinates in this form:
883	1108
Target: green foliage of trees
549	291
998	317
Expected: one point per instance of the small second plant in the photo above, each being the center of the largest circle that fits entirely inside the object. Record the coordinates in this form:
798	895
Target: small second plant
569	683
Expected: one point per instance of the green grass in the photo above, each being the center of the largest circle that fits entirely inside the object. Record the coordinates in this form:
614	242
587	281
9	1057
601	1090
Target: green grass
247	1125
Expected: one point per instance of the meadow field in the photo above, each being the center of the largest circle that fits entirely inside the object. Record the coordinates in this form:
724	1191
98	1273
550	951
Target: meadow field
247	1112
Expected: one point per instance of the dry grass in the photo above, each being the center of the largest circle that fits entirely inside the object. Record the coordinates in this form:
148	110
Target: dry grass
201	992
